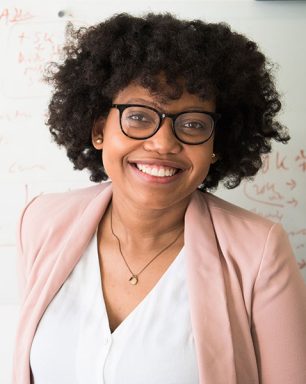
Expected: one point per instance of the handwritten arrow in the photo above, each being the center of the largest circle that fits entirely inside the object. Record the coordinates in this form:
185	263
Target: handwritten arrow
291	184
293	202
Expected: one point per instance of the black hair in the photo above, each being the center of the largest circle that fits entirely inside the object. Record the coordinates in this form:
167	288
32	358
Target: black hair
213	62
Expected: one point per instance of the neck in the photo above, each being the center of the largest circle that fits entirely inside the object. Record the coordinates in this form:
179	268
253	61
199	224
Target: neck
144	227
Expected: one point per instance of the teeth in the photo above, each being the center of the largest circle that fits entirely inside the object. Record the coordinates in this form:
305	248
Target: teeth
154	171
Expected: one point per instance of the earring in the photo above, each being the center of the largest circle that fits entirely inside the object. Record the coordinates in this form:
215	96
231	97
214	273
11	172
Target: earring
213	155
99	140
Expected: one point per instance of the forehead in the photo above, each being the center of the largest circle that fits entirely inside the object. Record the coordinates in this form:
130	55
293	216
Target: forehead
137	94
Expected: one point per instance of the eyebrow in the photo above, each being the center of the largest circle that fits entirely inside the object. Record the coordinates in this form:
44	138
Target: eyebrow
156	105
145	102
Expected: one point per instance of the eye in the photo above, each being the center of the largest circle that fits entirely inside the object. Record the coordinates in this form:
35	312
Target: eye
137	116
194	125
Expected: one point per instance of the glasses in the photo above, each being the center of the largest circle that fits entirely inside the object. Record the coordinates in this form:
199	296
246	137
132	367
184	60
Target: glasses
140	122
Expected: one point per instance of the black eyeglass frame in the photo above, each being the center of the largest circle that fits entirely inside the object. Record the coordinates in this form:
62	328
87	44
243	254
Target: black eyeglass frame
173	116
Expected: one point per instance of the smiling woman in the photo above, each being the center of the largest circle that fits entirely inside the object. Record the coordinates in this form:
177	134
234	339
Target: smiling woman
149	278
140	165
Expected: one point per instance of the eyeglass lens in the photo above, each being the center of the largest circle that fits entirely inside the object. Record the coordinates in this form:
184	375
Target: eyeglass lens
191	127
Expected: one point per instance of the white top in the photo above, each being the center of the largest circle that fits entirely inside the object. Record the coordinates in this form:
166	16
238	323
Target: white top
73	343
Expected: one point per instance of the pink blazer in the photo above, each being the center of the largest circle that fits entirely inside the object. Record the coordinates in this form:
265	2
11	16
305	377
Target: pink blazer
247	297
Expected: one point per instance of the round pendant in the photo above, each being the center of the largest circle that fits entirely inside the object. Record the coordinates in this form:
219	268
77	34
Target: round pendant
133	280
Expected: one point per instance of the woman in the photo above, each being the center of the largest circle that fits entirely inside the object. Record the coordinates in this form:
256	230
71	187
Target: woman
150	278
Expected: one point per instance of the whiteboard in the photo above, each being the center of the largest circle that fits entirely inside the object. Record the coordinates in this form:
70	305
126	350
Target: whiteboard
32	34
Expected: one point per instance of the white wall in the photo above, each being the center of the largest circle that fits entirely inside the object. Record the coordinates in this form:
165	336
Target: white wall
31	33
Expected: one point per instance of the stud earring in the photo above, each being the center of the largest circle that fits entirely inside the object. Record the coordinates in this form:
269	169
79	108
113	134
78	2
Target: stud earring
213	155
99	140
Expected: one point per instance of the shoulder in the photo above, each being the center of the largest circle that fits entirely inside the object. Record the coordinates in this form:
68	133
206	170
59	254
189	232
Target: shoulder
228	213
253	245
75	199
240	231
54	212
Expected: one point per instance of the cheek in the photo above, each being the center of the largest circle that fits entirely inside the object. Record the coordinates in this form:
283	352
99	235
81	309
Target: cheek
116	148
202	160
201	156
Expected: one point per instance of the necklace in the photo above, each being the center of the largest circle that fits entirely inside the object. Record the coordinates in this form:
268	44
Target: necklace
135	276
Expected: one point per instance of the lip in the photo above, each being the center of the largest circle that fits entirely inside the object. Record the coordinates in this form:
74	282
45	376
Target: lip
160	163
145	177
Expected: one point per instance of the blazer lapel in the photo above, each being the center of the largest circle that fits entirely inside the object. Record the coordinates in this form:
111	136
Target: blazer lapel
77	242
209	314
47	285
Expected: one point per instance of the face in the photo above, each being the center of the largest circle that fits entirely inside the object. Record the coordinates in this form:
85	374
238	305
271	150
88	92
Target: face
160	171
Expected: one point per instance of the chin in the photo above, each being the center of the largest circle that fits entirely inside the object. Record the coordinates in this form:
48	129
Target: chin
160	201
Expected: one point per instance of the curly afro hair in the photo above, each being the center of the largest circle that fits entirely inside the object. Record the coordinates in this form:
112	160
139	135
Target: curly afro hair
213	62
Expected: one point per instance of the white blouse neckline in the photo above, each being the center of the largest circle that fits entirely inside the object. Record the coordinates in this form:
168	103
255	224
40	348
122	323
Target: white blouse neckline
153	344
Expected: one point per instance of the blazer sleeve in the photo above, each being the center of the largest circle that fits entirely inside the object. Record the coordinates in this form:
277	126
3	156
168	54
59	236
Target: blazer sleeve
279	314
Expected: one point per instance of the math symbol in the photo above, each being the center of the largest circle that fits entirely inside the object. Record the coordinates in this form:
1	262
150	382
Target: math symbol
293	202
301	160
265	164
280	162
291	184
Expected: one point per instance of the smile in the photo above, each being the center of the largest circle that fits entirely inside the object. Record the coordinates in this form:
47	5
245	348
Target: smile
155	170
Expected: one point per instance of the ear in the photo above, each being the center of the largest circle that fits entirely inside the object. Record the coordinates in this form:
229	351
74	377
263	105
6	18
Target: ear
97	133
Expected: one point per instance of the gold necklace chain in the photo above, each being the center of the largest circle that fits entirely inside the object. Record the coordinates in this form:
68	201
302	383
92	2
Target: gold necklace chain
135	276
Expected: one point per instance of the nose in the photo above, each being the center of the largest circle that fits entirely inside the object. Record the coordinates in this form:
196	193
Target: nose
163	141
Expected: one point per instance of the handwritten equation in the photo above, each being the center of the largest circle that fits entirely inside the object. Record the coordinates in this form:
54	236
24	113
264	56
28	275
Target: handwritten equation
11	116
278	193
30	48
284	189
14	15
